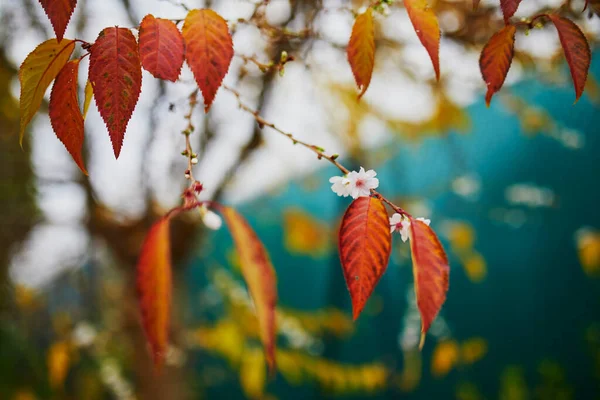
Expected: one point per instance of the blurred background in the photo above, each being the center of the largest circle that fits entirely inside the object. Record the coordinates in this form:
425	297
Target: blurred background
512	191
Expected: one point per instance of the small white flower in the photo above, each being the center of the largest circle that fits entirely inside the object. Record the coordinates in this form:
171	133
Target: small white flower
362	182
210	219
341	185
402	224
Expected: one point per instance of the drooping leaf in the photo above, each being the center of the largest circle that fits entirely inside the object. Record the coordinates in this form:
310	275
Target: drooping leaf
427	28
208	50
37	71
116	75
89	93
161	48
509	7
154	286
431	272
476	4
260	277
361	50
364	244
496	58
59	12
577	51
65	116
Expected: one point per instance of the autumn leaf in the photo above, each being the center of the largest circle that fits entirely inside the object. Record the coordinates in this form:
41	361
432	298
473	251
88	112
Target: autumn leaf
476	4
208	50
509	7
116	75
154	286
426	26
496	58
161	48
37	71
59	12
361	50
364	246
431	272
259	275
65	116
89	93
577	51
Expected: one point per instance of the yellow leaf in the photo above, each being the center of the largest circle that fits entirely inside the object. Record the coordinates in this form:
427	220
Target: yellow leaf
361	50
475	266
40	68
58	360
252	374
588	250
304	234
445	357
461	236
473	350
89	93
259	275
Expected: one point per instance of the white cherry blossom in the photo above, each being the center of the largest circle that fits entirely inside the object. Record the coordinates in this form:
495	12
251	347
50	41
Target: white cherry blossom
210	218
341	185
362	182
401	224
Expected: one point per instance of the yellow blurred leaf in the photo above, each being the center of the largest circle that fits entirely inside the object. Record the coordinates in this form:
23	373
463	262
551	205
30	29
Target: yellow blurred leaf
58	361
252	374
25	394
475	266
513	385
410	377
461	236
304	234
26	298
473	350
445	358
588	250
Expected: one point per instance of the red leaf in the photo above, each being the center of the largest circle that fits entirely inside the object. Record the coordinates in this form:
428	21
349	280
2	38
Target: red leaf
259	275
577	51
509	7
431	272
161	48
154	286
116	76
40	68
59	12
361	50
364	244
208	51
496	58
65	116
427	28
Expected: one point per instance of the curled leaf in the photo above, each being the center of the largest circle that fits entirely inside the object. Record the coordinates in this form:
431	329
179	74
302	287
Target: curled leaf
161	48
364	244
154	286
427	28
59	12
259	275
116	75
65	116
35	74
576	49
509	7
431	272
496	58
89	93
361	50
208	50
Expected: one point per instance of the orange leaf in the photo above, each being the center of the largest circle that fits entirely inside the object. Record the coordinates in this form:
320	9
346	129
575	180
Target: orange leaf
509	7
59	12
65	116
476	4
161	48
208	50
116	76
496	58
577	51
259	275
365	244
154	286
89	93
426	26
431	272
37	71
361	50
